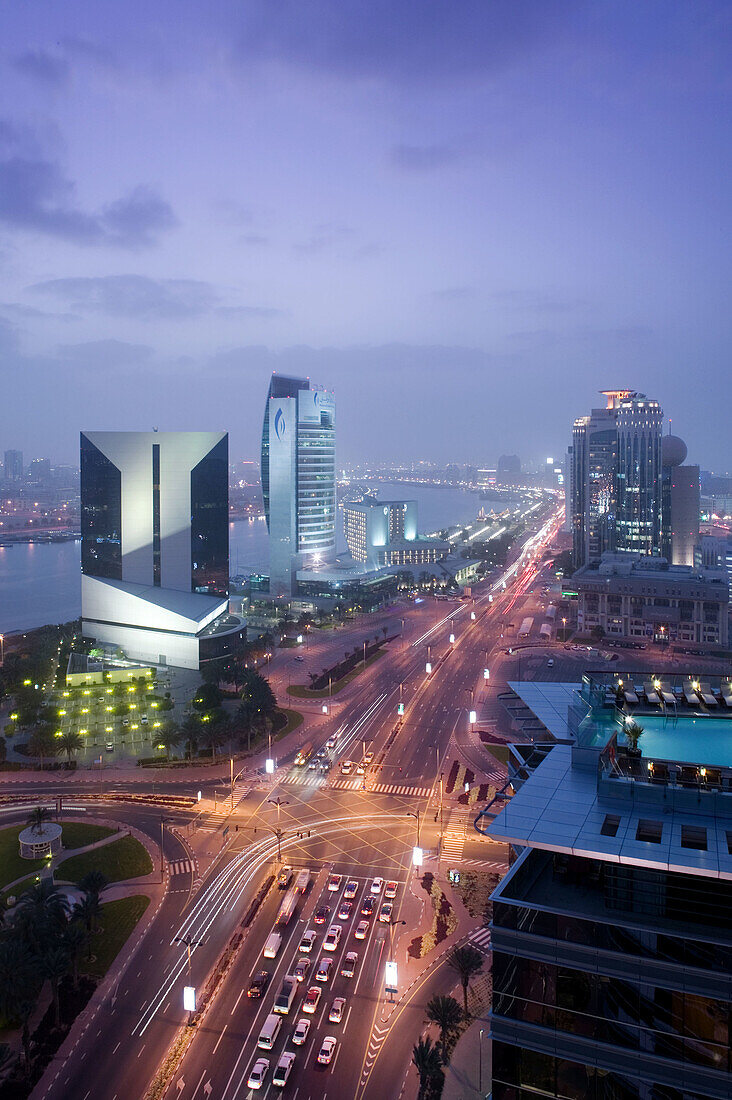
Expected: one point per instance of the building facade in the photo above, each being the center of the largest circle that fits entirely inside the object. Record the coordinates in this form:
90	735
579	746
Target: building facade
13	465
637	597
612	932
155	545
298	479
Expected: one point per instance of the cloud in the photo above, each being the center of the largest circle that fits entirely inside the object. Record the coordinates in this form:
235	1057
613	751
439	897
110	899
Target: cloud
46	68
138	296
324	236
414	41
105	353
36	196
422	158
133	295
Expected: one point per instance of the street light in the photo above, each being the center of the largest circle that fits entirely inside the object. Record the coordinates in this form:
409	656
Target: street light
279	803
415	815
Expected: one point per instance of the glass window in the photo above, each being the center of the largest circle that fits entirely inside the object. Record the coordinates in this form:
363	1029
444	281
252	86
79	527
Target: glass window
101	514
210	522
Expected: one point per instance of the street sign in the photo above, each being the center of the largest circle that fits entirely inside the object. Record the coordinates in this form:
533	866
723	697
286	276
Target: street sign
390	978
473	717
417	856
269	767
189	998
400	709
428	667
486	674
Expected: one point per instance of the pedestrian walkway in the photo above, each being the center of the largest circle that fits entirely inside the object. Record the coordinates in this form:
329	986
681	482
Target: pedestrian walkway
453	841
302	779
481	938
380	788
181	867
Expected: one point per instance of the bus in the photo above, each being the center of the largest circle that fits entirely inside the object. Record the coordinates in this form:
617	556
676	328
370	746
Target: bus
546	631
288	907
304	754
525	628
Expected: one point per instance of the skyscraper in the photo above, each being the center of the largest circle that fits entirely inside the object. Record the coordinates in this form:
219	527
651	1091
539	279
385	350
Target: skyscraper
13	465
155	544
298	479
680	503
616	477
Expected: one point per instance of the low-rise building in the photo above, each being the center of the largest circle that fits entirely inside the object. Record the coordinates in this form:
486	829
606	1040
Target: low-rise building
634	596
384	533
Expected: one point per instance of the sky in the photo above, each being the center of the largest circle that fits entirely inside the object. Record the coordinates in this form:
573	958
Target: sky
465	217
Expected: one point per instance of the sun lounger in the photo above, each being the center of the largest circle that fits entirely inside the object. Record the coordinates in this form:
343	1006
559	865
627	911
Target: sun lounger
630	697
649	690
690	697
705	694
726	694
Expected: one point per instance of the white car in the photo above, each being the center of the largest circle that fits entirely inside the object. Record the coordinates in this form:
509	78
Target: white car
334	883
362	930
336	1010
385	912
301	1032
350	963
333	938
308	941
325	1056
377	886
351	889
368	757
346	766
258	1073
390	890
283	1069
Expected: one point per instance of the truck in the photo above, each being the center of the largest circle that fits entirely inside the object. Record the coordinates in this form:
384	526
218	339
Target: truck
286	995
526	628
288	907
304	754
302	881
272	946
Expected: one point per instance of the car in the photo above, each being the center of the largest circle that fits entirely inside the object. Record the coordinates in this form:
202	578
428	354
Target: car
299	657
362	930
385	912
377	886
322	914
308	941
390	890
345	910
327	1049
125	721
283	878
313	766
322	974
310	1004
336	1010
143	719
346	766
334	882
257	1073
325	767
109	746
351	889
330	743
283	1069
301	1032
367	906
301	969
360	770
350	963
258	984
550	663
332	938
368	757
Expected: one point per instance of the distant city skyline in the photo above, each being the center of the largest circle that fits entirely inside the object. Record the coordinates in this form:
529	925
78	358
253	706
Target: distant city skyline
462	224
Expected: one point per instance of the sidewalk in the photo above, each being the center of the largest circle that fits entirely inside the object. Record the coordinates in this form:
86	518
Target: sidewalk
470	1064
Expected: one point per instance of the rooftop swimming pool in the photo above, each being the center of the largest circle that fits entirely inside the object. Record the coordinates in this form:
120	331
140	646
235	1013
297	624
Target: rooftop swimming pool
690	739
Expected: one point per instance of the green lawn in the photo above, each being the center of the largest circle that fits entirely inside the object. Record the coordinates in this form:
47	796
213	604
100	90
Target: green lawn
117	924
11	865
122	859
302	692
500	752
77	834
294	719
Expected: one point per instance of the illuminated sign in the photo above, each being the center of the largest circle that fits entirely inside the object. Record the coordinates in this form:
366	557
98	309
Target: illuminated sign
189	998
390	977
417	856
269	766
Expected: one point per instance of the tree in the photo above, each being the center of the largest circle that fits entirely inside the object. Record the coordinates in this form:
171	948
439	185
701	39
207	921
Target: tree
426	1058
19	986
93	882
42	743
88	910
45	909
215	732
70	742
168	736
207	698
467	961
597	633
446	1013
54	965
190	730
37	817
75	940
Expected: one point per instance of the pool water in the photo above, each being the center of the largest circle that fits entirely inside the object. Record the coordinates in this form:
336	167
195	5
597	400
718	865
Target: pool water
692	739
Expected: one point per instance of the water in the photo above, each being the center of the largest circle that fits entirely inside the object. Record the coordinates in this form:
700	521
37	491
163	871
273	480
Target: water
41	582
696	740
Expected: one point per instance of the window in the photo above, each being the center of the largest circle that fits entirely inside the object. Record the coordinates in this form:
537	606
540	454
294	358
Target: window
610	825
694	836
649	830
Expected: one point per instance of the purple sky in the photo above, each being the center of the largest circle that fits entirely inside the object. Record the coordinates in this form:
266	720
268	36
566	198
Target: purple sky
465	216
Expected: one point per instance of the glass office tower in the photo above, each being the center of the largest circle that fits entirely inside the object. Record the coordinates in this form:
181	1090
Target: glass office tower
298	479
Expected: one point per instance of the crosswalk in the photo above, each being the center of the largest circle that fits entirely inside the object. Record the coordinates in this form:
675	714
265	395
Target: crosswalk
302	779
181	867
481	938
380	788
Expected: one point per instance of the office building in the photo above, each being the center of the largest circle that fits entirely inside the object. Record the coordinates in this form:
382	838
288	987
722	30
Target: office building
680	503
155	545
635	597
612	931
384	532
616	477
39	469
715	552
13	465
298	480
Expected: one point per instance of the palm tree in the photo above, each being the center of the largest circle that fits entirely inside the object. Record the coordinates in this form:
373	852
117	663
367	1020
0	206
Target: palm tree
467	961
446	1013
42	743
426	1058
55	966
19	987
215	732
42	912
169	736
70	742
37	818
74	940
87	910
93	882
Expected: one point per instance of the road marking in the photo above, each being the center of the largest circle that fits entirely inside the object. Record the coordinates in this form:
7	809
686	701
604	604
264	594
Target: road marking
237	1003
217	1046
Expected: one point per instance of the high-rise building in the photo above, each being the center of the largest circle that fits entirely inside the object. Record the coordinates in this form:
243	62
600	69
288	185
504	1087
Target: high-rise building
298	479
681	503
13	465
39	469
612	931
155	545
616	477
384	532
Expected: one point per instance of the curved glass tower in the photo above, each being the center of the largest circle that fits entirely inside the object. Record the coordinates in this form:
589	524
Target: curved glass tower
298	479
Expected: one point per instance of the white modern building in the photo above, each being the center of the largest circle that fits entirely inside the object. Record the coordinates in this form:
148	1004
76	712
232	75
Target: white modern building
298	480
155	545
384	532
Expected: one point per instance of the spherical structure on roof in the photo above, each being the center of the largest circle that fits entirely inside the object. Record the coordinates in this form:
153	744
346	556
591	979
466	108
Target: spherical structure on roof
673	451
